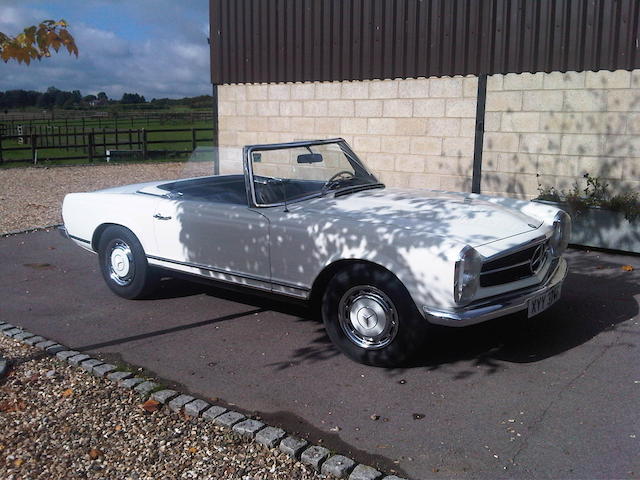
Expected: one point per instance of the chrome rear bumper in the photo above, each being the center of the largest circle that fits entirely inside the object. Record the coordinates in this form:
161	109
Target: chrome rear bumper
490	308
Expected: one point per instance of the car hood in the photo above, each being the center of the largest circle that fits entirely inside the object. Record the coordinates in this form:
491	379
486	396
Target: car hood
462	217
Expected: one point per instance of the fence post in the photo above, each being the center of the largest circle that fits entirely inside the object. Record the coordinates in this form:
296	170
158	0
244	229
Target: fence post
144	144
1	157
193	139
90	141
34	147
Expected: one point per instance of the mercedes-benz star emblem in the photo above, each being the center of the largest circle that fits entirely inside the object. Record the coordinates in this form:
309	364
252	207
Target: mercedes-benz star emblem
537	259
367	318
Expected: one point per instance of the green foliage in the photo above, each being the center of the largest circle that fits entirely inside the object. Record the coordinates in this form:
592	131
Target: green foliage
36	42
595	194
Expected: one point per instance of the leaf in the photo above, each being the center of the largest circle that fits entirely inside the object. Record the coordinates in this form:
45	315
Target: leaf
627	268
7	407
94	453
193	450
150	406
118	428
18	461
67	393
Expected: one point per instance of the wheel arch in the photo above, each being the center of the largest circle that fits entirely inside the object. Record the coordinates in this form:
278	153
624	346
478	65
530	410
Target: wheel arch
100	229
324	277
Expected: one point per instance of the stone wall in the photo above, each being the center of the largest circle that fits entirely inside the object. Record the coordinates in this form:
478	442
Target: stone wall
547	128
553	128
415	133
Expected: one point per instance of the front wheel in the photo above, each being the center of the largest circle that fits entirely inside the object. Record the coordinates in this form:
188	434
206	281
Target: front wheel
371	318
124	265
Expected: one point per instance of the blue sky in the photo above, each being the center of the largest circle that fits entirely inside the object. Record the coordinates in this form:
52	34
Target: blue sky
157	48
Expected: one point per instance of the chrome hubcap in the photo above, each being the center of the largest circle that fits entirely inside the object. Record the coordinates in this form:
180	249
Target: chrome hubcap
121	266
368	317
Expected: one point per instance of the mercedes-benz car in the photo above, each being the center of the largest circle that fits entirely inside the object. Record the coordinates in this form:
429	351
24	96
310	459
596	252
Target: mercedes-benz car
309	220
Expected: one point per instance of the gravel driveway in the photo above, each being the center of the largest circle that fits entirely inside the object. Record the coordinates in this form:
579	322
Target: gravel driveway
32	197
59	422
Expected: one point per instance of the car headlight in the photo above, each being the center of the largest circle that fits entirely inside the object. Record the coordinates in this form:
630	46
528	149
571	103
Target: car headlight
561	233
467	275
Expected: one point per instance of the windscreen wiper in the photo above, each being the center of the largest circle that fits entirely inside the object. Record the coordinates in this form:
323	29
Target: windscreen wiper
358	188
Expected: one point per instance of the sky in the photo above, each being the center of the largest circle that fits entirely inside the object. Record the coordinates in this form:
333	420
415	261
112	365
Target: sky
157	48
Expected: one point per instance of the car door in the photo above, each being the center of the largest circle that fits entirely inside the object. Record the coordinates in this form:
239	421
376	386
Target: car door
218	240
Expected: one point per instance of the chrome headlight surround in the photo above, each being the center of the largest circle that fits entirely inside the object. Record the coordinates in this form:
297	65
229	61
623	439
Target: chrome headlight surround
561	235
467	275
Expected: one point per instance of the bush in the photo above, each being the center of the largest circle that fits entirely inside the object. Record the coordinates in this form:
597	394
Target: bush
596	194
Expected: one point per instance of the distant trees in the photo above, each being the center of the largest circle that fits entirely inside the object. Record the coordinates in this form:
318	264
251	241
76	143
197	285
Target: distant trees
129	98
51	98
56	98
37	41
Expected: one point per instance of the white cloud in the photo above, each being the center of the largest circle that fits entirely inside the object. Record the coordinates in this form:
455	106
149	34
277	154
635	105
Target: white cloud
172	61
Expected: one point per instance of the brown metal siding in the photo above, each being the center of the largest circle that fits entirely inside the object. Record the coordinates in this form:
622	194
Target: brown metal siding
255	41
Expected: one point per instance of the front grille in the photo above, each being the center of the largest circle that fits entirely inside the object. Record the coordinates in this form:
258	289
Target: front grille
510	268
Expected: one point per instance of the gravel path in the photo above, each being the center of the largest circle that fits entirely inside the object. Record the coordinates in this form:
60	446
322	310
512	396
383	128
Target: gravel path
32	197
58	422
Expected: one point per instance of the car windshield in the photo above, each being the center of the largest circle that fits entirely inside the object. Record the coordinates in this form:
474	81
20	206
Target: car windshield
299	170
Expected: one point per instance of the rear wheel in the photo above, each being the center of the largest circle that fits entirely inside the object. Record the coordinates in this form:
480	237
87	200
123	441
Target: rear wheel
124	265
371	318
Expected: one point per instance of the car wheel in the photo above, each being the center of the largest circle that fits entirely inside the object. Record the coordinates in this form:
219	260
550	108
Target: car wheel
371	318
124	265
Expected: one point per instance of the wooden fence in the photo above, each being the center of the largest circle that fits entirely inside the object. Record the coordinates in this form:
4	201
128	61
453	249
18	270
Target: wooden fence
9	123
95	143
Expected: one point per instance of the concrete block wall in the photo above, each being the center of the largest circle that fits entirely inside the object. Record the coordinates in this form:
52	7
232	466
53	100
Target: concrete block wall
553	128
412	133
539	128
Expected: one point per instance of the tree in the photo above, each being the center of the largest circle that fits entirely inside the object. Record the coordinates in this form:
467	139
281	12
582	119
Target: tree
36	42
132	98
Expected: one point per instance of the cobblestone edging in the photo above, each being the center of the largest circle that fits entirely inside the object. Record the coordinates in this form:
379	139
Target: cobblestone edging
319	458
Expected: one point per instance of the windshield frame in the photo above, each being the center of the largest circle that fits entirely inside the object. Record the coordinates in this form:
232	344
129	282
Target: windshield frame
248	150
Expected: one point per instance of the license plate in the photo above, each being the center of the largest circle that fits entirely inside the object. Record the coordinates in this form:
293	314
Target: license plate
540	303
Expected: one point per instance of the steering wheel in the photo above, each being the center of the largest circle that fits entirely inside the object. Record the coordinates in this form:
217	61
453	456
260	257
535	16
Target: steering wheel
338	175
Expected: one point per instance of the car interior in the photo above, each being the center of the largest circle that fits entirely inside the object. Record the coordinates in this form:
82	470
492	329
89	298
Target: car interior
230	189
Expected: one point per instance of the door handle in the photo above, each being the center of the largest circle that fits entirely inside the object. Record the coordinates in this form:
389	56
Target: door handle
161	217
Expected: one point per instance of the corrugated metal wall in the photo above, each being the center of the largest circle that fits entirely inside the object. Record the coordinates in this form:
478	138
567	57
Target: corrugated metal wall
255	41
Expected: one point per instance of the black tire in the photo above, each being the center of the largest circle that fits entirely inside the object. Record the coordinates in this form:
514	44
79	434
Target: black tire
361	289
140	279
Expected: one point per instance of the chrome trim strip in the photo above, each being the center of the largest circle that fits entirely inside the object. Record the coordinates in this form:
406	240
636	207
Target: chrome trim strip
501	269
248	166
230	272
73	237
523	246
498	306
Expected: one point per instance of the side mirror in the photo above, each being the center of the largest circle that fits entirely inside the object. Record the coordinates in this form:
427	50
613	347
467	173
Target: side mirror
310	158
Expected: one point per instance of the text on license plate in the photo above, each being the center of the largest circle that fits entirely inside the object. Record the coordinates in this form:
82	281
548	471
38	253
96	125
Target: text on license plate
542	302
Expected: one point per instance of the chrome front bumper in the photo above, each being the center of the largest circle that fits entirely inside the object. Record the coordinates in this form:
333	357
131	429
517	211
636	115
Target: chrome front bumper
490	308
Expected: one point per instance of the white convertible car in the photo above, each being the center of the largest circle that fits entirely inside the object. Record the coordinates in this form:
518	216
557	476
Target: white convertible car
308	220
